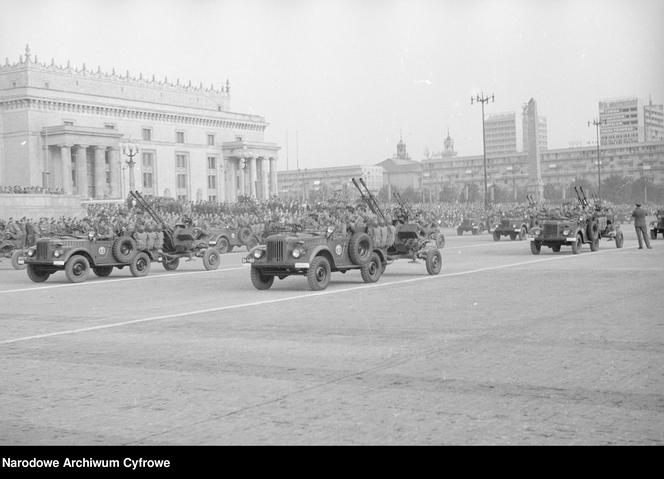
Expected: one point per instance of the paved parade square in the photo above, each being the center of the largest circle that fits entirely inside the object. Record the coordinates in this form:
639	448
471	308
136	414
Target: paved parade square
503	347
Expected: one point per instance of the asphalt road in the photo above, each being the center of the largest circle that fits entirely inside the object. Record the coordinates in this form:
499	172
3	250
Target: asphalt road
503	347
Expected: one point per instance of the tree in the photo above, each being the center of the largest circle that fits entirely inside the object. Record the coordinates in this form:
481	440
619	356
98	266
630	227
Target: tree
616	189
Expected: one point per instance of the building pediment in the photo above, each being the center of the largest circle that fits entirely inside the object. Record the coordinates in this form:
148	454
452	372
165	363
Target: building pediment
249	149
80	135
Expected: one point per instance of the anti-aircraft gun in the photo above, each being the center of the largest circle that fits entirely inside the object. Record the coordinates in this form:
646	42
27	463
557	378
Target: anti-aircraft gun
601	220
183	241
406	213
404	240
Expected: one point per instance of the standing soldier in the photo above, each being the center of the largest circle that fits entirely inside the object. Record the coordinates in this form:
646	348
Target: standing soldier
640	226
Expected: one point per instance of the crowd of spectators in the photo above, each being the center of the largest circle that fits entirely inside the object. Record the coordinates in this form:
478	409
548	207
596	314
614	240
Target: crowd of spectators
30	190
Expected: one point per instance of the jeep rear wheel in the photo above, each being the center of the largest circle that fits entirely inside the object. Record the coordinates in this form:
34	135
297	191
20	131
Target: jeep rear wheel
15	256
434	261
496	236
222	245
77	268
261	281
318	275
360	248
576	246
102	271
140	266
171	265
211	259
36	274
372	271
536	248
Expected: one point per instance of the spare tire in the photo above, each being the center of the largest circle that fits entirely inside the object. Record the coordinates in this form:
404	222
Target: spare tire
360	248
124	249
244	234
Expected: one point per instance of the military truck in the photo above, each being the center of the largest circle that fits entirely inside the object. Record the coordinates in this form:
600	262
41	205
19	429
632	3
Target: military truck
512	226
657	227
317	254
77	255
183	241
471	224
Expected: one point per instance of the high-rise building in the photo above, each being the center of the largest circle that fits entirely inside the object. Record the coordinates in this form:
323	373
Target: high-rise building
500	134
629	120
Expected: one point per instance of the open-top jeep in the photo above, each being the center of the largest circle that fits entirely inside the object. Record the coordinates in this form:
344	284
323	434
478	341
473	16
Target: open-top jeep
512	226
657	227
470	224
225	239
183	241
317	254
77	255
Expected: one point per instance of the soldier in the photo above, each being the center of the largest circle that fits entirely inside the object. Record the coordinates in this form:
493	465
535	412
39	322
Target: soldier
159	237
151	236
639	215
140	236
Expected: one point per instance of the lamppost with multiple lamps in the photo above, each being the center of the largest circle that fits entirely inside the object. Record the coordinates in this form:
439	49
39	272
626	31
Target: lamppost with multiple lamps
130	150
597	123
483	99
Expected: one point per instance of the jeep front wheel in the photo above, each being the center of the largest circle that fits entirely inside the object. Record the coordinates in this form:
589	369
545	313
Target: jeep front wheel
496	236
536	248
77	268
372	271
619	240
434	261
261	281
211	259
523	233
576	246
36	274
140	266
318	275
594	244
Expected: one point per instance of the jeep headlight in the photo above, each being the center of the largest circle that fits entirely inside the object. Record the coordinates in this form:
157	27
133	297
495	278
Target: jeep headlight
258	253
57	253
297	252
565	232
31	252
537	232
330	230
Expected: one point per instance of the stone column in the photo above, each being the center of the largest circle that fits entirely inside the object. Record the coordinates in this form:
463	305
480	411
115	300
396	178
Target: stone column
265	184
252	176
100	172
273	176
221	181
65	158
116	169
231	177
81	171
243	177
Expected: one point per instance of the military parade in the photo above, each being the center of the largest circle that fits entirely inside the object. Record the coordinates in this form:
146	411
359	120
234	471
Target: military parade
327	223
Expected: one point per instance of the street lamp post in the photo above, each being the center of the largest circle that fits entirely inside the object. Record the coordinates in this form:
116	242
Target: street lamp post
483	99
596	123
130	150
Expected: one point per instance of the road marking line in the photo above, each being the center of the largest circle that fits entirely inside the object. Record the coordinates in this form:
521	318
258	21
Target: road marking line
115	280
299	296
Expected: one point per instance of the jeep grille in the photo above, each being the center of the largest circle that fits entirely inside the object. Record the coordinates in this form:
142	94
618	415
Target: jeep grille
505	223
275	250
42	249
550	231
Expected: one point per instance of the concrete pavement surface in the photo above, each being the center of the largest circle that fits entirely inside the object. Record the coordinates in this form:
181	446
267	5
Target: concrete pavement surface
503	347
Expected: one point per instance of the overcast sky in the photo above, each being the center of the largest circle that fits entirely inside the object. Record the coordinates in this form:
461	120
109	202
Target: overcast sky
350	75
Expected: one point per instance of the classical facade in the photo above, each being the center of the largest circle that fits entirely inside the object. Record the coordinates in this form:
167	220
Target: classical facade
64	127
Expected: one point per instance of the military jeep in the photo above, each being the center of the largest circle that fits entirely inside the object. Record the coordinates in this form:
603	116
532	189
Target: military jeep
470	224
513	226
557	232
316	255
657	227
77	255
225	239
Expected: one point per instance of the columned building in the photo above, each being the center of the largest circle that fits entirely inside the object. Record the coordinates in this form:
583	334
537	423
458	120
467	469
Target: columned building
63	127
